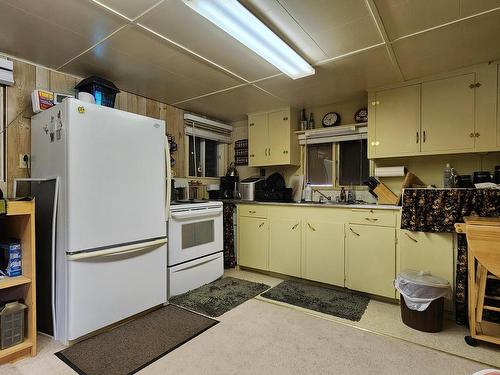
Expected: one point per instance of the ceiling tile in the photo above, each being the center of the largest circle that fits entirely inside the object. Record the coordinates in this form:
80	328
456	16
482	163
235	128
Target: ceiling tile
338	27
178	22
142	63
461	44
129	8
51	33
233	105
406	17
470	7
274	16
336	81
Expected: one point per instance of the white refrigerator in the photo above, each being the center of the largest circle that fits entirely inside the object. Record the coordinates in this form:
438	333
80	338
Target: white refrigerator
110	258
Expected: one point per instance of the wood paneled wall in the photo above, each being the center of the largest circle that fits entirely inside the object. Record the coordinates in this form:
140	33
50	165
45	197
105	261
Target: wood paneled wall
29	77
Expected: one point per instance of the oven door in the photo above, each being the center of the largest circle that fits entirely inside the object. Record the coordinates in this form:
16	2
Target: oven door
193	234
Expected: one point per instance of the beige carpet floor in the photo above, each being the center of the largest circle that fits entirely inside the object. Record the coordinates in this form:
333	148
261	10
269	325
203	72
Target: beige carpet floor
385	319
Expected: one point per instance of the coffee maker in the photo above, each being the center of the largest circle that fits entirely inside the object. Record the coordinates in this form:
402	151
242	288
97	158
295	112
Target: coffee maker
229	183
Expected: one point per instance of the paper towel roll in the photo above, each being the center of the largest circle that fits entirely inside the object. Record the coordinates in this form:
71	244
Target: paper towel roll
390	171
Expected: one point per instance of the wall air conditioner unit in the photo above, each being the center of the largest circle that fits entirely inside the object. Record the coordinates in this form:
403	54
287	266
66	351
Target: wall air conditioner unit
6	72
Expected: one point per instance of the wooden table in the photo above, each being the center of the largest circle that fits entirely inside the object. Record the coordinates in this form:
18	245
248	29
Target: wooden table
483	239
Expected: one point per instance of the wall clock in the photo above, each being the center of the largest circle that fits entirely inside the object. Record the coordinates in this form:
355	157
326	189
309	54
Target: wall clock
361	115
331	119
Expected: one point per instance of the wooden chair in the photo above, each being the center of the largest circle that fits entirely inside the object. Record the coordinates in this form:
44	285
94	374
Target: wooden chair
483	239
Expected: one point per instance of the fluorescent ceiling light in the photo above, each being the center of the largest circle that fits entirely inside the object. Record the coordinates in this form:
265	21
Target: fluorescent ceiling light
237	21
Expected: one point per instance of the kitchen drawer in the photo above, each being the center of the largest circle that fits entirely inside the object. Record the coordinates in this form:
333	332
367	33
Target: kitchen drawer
249	210
383	218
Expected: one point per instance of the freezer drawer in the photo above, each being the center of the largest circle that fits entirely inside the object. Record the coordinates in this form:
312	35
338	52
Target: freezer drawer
105	289
190	275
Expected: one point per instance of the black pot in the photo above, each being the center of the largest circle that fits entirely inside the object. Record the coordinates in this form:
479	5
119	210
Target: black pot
482	176
465	181
496	175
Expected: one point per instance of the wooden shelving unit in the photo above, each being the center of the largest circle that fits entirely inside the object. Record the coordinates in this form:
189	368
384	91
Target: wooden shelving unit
20	223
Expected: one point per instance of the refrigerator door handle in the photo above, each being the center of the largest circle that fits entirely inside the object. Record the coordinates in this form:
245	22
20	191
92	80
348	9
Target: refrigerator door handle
126	249
168	168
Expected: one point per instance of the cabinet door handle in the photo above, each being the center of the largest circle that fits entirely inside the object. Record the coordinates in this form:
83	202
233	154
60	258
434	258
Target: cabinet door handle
477	135
424	136
471	135
269	152
295	226
372	219
265	151
374	104
285	118
357	234
252	212
312	228
411	238
261	225
251	124
417	137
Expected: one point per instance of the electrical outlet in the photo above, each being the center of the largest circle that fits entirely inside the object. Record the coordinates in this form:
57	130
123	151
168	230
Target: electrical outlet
23	164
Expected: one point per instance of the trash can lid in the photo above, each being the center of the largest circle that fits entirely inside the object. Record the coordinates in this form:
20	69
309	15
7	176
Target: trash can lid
423	278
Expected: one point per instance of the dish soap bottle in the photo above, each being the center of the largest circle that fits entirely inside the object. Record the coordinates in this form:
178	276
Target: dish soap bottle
447	176
308	193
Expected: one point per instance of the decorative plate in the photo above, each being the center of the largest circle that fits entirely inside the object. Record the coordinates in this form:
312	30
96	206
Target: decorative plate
361	115
331	119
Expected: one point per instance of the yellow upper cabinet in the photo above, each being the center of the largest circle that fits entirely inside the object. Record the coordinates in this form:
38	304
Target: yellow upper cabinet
272	139
396	125
451	113
258	133
448	114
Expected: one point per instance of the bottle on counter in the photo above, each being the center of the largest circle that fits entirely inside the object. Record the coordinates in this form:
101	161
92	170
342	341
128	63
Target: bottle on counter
447	176
343	197
308	193
310	124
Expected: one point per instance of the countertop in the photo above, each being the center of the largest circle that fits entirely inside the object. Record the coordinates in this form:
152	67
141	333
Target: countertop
311	204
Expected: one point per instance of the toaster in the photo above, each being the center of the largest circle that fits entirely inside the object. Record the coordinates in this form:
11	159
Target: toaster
249	185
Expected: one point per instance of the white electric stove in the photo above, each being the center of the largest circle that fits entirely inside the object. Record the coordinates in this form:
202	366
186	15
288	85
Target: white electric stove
195	245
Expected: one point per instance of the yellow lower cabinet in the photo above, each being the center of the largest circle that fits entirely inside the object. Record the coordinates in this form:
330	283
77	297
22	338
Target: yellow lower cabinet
284	245
371	259
323	252
431	252
253	242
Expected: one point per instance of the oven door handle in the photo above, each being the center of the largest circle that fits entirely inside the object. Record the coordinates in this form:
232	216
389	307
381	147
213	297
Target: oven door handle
187	215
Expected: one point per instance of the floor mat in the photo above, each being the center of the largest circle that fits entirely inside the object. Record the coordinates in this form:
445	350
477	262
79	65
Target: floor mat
220	296
134	345
343	304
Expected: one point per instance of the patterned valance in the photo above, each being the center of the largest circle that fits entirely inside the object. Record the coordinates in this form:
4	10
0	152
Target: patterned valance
437	210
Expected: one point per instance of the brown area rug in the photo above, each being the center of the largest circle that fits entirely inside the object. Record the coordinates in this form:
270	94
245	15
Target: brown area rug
136	344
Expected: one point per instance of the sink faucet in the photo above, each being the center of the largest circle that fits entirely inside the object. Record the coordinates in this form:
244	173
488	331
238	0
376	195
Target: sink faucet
322	195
